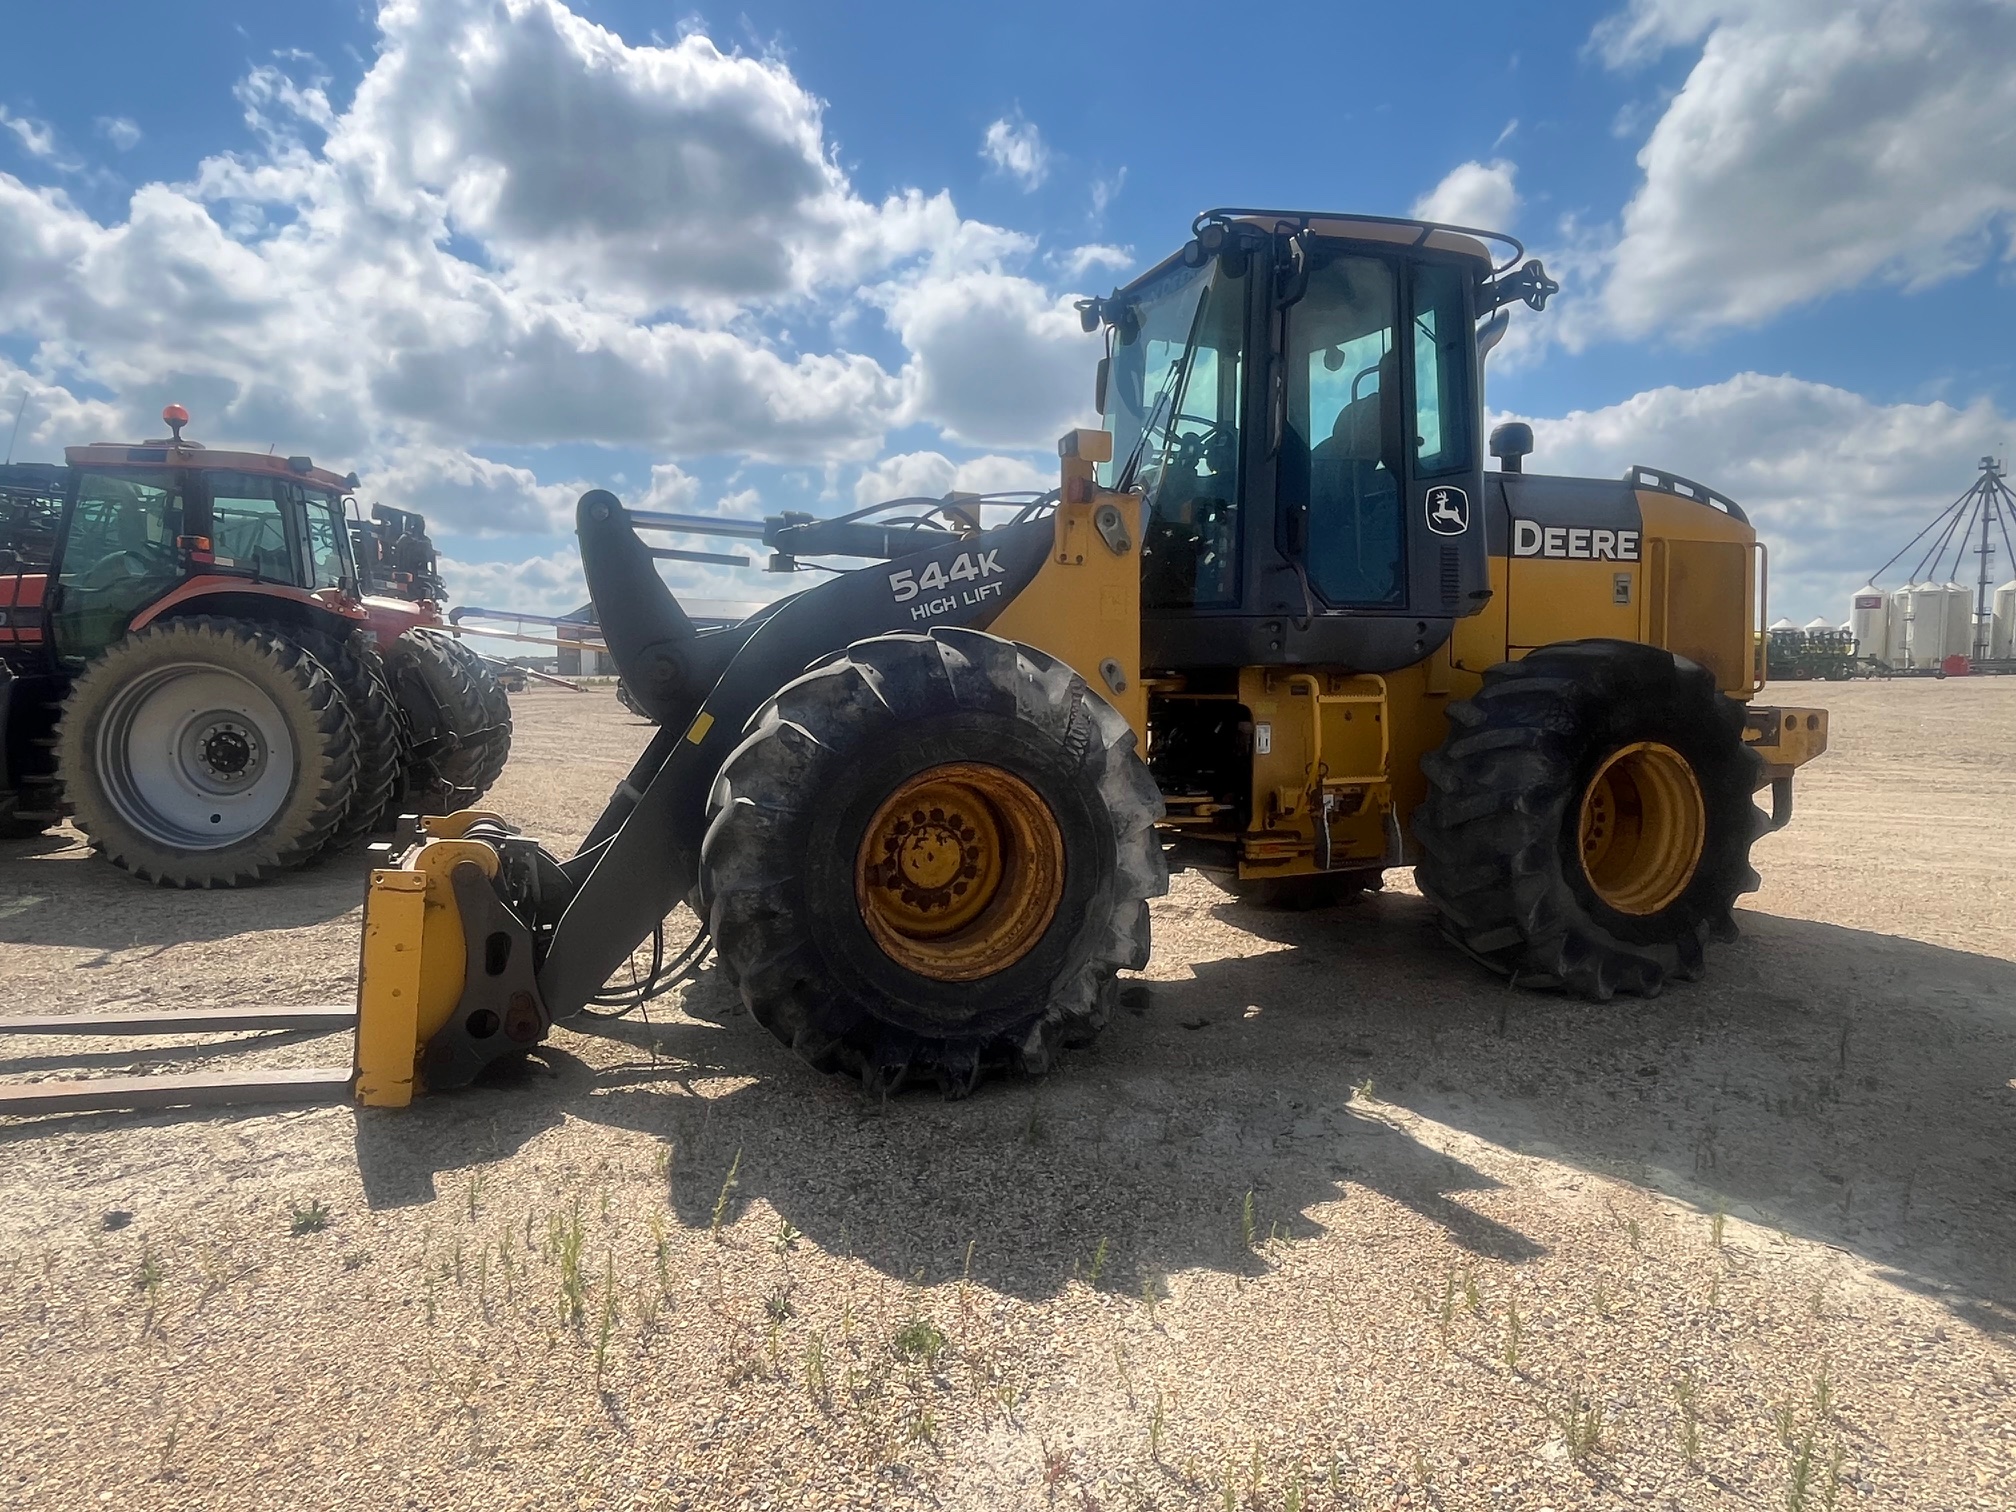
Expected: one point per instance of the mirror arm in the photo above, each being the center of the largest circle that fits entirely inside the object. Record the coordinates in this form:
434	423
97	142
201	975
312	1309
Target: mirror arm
1529	283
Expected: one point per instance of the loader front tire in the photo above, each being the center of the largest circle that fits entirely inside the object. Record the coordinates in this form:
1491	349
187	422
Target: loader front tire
929	857
1589	819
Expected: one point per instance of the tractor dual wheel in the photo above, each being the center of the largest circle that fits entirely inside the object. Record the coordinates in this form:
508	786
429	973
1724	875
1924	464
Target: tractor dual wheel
458	720
1589	819
207	752
930	857
359	673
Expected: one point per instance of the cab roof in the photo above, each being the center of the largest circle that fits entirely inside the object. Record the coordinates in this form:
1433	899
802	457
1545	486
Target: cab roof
1394	231
1397	231
168	453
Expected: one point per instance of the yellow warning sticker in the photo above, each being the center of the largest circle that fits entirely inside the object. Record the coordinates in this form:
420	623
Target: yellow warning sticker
697	731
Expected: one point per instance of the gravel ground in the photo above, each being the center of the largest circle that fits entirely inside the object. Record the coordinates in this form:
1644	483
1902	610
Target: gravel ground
1328	1218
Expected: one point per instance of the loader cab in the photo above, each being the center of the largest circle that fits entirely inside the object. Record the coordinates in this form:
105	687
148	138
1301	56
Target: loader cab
1297	396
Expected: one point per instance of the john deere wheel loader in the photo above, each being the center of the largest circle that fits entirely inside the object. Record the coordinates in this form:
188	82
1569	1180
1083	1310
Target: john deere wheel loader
1276	621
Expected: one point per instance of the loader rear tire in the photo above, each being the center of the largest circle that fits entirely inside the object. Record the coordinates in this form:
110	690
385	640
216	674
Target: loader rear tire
207	752
1589	819
929	858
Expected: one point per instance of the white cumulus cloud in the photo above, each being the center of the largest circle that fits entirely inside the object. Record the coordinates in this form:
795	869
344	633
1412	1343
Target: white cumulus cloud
1817	145
1473	194
35	137
1015	147
121	131
932	475
523	230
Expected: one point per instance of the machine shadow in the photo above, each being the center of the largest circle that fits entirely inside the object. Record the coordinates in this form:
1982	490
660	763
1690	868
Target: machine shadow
1853	1088
1843	1086
1030	1176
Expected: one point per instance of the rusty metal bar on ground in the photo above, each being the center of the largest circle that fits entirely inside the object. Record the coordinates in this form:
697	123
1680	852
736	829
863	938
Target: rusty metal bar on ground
123	1094
182	1021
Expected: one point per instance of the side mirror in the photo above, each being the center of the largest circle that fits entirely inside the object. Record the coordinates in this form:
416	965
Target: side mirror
1491	332
1099	380
1294	282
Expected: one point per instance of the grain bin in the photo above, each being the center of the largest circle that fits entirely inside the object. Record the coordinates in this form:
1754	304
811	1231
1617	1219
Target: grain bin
1869	622
2002	632
1897	632
1959	640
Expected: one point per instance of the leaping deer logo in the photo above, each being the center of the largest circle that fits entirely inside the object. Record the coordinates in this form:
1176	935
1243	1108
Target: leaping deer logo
1448	511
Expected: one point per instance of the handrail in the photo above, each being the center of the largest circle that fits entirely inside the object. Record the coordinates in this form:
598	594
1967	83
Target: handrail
1686	488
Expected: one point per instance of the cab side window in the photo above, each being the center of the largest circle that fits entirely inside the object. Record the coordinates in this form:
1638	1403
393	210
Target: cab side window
120	556
1442	439
1337	454
328	543
249	526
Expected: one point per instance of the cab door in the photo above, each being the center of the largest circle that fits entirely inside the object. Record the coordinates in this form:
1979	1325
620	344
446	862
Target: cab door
1377	478
119	554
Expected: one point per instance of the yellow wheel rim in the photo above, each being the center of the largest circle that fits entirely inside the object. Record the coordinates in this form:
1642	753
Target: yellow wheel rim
959	872
1643	826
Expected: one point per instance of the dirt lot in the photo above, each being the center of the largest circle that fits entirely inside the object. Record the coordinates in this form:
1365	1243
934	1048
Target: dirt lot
1328	1219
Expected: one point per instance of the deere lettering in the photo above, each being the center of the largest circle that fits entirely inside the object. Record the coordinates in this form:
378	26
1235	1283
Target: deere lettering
1573	543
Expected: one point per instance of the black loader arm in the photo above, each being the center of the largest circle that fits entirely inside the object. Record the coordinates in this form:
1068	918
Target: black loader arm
642	857
666	663
478	939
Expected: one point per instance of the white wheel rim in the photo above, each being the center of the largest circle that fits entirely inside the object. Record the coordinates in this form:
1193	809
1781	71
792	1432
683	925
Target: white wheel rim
194	757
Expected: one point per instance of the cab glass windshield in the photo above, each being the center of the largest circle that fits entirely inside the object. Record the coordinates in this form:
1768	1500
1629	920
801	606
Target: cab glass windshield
1173	404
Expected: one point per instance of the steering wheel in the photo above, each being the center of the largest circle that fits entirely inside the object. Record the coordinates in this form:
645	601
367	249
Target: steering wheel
108	570
1213	447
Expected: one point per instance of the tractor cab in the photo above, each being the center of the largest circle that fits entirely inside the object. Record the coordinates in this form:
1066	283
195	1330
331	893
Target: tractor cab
1298	397
147	525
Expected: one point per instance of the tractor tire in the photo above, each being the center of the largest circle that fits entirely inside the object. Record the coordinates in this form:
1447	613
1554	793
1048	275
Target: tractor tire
457	746
359	673
496	704
31	791
1589	819
207	752
981	929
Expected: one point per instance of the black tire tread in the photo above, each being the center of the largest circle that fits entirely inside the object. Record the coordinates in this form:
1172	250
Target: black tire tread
769	787
455	749
1499	790
327	784
359	672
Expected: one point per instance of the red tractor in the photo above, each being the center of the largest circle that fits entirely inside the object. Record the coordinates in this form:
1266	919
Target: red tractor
198	671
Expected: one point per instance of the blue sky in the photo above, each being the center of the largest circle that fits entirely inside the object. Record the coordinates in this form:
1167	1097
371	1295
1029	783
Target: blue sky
793	255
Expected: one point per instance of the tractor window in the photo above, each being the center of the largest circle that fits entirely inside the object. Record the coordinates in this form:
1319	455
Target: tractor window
248	525
1338	456
120	556
328	543
1441	371
1176	388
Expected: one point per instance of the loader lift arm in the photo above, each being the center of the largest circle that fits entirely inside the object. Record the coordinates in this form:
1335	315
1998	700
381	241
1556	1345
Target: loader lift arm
578	920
